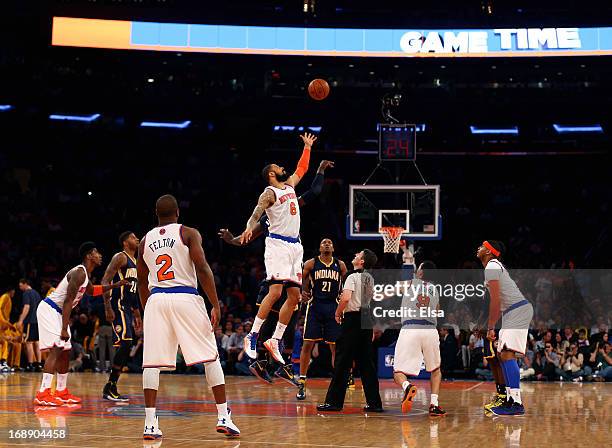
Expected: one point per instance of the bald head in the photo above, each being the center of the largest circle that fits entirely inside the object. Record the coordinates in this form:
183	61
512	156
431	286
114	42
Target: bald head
166	207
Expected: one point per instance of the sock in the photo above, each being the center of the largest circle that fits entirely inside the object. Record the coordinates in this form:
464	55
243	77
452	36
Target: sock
513	378
516	395
501	389
280	330
434	399
303	378
149	416
257	324
114	376
405	385
222	409
62	380
46	381
507	392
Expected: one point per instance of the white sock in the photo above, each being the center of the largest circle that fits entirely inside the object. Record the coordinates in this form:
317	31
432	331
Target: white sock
434	399
46	381
405	385
280	330
507	391
62	380
149	416
222	409
516	395
257	324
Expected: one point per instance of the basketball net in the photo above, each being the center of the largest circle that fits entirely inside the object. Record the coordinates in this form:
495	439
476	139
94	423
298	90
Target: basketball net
392	237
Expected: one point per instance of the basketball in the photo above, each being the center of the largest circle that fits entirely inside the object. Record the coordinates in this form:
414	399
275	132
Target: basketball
318	89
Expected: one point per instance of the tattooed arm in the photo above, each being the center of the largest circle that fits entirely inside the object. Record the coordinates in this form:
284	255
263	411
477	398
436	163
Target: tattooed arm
266	199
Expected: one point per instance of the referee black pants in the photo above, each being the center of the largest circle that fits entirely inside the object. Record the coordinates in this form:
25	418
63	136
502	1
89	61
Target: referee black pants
354	344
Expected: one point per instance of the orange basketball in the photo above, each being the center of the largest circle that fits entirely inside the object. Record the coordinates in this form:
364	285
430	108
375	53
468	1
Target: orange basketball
318	89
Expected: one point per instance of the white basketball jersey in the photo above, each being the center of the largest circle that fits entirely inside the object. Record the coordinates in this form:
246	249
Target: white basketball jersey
59	295
509	292
168	259
420	300
284	214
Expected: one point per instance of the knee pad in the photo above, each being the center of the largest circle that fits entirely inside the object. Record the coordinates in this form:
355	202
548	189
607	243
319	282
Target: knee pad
122	355
214	373
150	378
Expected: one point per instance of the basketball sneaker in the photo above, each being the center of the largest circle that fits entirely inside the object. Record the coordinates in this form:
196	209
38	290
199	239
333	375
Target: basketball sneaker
46	398
258	368
275	347
226	426
301	393
436	411
110	393
66	397
152	432
285	372
250	345
509	408
498	400
409	395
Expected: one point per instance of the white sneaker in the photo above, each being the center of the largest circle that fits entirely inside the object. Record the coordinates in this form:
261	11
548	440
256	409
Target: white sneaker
272	345
226	426
152	432
250	345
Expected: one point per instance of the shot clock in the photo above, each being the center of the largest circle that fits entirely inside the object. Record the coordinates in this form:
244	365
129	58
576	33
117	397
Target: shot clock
396	142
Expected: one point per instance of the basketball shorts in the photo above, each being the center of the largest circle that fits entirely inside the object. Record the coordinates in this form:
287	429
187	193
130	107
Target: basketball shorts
177	319
31	332
283	260
50	327
415	345
515	326
320	323
123	325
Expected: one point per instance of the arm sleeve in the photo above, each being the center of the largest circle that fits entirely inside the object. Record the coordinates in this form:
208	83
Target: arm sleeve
315	189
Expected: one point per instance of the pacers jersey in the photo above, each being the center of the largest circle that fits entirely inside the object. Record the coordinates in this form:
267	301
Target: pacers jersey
326	280
127	295
58	296
419	304
168	259
284	214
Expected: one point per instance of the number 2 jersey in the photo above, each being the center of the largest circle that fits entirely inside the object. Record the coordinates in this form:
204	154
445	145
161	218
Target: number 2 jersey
168	259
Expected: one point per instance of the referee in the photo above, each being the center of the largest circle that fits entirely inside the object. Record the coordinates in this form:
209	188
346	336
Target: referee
355	342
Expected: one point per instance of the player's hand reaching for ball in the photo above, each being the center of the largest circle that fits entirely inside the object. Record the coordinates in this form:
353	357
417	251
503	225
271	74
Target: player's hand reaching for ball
308	139
324	165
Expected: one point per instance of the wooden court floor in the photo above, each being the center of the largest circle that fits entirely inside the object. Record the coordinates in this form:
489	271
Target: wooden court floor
558	415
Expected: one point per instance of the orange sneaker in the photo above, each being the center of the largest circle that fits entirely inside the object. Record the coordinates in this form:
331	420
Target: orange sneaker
409	394
66	397
46	398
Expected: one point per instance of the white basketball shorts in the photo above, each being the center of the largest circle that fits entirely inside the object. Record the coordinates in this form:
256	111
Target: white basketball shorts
414	345
283	260
177	319
50	328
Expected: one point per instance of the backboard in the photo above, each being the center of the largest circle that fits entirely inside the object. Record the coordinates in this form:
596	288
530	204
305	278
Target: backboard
416	208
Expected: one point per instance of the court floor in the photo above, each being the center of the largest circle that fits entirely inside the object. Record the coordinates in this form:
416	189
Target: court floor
558	414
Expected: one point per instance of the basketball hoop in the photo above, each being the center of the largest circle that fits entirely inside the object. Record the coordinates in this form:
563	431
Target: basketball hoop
392	237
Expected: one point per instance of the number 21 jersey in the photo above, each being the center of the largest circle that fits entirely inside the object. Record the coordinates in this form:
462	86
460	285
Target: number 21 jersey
168	259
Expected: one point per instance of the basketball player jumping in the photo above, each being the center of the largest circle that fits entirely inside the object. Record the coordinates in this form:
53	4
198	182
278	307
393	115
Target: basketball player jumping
419	340
122	309
53	325
284	252
171	260
516	312
323	281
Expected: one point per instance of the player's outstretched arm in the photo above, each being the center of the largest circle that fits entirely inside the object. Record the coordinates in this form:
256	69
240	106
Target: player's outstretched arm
118	261
232	240
193	240
302	166
317	184
142	270
266	199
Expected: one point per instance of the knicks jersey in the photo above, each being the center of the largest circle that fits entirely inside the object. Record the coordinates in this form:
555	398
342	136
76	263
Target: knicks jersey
326	280
168	259
127	295
419	303
284	214
58	296
508	291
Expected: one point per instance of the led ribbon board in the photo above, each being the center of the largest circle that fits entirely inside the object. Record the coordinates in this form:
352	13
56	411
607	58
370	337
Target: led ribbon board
530	42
